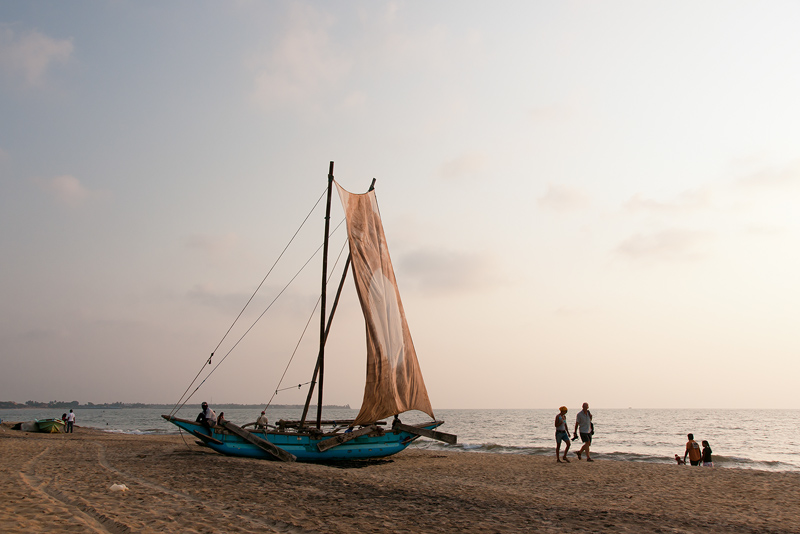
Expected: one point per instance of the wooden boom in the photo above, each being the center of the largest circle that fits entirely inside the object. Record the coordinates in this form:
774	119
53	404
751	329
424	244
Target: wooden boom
329	443
433	434
263	444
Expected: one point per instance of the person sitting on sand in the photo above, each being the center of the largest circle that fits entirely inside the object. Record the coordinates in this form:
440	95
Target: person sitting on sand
679	460
707	455
562	434
207	417
262	420
693	451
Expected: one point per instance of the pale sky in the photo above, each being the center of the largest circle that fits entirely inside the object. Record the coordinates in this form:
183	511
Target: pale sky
585	201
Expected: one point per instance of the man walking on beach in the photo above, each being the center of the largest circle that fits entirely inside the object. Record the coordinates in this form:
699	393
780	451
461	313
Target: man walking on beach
693	451
70	422
562	434
583	421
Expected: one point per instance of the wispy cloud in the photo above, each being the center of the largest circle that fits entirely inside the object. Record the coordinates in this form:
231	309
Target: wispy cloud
29	56
303	64
563	198
212	244
671	244
772	179
687	201
447	272
551	113
68	190
464	166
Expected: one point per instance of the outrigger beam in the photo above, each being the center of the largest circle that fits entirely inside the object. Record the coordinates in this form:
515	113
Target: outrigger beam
433	434
262	444
330	443
206	439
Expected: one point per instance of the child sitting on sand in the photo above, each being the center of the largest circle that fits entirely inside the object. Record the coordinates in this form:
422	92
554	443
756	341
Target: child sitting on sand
679	460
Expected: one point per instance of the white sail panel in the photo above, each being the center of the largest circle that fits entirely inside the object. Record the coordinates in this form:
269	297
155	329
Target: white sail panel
394	381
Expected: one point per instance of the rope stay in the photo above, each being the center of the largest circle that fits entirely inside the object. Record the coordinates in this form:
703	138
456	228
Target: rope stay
184	398
305	328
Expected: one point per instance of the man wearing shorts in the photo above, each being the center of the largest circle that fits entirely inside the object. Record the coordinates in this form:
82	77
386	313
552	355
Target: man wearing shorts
692	451
583	421
562	434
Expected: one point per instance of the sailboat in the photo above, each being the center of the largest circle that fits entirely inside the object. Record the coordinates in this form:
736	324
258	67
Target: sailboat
394	383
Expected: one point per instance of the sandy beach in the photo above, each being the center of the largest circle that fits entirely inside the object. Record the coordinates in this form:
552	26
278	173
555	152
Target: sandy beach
60	483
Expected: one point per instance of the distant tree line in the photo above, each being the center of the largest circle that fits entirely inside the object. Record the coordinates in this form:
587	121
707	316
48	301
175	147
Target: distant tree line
11	405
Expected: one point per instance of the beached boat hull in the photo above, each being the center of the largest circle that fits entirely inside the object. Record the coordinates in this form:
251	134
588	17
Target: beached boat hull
302	446
50	425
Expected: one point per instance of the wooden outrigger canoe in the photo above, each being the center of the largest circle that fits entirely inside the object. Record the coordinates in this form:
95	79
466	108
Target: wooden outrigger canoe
367	442
52	426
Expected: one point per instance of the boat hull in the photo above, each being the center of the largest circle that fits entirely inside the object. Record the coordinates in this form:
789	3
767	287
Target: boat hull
303	446
53	426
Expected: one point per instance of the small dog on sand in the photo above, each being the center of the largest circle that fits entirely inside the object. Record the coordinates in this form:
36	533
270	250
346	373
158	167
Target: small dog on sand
680	460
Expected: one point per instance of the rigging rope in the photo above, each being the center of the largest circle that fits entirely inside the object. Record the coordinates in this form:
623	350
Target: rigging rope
181	401
302	335
180	404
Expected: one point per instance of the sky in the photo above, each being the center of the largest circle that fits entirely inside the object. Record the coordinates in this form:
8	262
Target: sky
585	201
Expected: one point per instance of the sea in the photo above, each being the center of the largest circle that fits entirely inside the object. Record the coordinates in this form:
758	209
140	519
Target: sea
745	439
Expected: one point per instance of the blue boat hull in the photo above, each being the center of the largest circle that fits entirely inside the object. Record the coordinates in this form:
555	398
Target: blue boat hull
302	446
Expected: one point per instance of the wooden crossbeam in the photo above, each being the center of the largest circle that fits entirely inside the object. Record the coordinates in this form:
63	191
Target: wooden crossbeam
433	434
329	443
262	444
206	439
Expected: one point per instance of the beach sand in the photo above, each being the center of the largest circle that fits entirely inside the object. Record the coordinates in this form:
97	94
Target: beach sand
60	483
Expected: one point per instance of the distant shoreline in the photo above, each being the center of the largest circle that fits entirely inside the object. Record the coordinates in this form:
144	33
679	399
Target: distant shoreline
128	406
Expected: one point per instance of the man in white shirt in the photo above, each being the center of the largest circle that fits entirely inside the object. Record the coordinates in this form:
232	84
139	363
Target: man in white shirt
70	422
207	417
584	421
262	421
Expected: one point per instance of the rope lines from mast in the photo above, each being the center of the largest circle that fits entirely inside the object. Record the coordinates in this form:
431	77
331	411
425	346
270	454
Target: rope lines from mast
184	398
305	328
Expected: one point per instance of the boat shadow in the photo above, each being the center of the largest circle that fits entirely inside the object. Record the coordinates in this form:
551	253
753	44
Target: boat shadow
355	464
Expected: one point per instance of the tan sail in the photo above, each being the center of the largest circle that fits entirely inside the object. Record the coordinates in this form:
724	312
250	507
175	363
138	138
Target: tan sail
394	382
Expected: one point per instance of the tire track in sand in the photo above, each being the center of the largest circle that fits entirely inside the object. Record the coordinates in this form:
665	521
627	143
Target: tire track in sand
229	516
88	517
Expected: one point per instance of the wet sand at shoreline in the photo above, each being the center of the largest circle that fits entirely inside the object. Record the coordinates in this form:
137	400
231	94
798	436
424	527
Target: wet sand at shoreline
60	483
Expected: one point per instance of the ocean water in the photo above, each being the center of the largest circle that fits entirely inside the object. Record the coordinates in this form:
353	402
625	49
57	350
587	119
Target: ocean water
750	439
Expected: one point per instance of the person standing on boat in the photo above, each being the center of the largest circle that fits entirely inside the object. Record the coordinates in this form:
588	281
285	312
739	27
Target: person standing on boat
70	421
207	417
262	421
562	434
583	422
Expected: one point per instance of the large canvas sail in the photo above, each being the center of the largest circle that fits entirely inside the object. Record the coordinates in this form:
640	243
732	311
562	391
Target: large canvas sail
394	382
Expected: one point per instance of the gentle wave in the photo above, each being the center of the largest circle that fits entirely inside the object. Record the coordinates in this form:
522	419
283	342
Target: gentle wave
638	435
719	460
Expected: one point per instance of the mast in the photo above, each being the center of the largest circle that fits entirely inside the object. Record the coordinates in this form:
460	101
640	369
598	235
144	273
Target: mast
324	291
320	355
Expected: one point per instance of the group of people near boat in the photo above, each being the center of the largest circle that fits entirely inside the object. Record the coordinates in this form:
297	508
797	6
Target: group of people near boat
69	422
209	419
583	427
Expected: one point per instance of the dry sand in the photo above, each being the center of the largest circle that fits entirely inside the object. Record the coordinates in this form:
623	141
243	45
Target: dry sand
60	483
